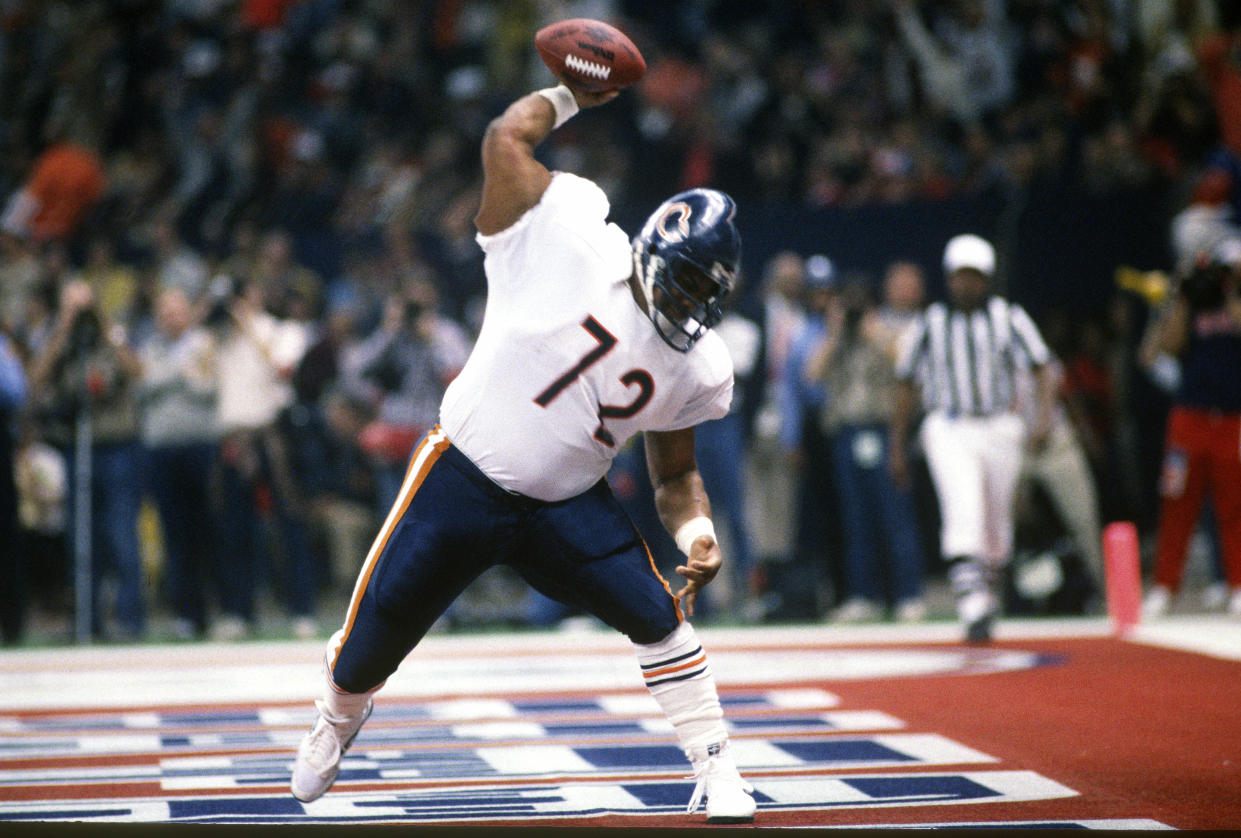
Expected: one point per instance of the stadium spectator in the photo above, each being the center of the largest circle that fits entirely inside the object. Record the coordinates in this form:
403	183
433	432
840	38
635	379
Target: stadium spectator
965	66
323	428
176	396
904	297
85	373
1062	471
289	288
1201	327
42	486
13	561
772	484
20	277
67	181
815	534
403	368
722	446
177	264
257	356
881	551
115	282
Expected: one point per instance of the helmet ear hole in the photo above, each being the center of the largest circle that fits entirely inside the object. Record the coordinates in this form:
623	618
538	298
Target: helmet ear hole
693	229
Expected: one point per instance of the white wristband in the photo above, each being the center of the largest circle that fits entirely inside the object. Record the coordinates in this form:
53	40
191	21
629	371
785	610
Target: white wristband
691	529
563	103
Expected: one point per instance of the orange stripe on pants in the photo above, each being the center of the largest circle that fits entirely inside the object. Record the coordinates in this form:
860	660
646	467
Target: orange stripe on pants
420	463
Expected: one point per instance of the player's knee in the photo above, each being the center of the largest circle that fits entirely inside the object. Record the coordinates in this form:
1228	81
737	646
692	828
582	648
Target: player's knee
354	681
652	628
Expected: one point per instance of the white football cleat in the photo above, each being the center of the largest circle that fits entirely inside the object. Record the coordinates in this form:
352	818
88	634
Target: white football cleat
319	755
720	784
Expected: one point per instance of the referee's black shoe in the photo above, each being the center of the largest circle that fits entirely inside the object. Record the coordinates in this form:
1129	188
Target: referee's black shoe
979	631
977	609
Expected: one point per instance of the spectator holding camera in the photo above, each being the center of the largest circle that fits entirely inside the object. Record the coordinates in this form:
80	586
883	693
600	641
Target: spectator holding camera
177	394
86	369
878	517
1201	328
257	356
402	369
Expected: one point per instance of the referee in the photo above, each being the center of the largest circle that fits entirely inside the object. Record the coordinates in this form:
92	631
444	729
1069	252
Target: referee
962	356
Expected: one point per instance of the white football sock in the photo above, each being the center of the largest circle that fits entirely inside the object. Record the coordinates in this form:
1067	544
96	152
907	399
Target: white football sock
676	672
341	704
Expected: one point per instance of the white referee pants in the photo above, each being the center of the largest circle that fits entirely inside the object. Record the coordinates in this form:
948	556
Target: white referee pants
975	463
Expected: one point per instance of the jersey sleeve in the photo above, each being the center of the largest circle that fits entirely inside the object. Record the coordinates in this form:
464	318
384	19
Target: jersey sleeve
712	388
555	243
1027	338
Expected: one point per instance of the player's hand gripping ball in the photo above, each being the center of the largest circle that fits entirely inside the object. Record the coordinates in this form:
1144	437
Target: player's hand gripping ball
589	54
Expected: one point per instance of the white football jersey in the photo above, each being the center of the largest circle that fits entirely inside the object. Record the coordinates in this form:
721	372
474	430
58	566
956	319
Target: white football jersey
567	366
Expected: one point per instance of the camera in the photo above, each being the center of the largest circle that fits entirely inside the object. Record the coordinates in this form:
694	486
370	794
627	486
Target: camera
220	295
86	331
413	311
1204	287
853	319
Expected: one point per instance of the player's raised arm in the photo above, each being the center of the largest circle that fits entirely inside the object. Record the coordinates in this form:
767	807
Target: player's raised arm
594	61
513	180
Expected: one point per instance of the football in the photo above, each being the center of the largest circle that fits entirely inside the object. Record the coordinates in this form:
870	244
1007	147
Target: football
593	55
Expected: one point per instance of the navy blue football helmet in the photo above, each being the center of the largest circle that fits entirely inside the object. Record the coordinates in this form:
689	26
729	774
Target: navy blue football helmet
686	259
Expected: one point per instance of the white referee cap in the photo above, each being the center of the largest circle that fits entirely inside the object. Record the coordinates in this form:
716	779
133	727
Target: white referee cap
969	251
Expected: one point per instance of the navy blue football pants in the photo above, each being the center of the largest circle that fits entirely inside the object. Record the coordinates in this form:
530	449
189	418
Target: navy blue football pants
450	523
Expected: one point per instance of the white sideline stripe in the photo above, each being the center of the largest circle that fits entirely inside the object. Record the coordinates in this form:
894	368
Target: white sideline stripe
1217	635
431	676
180	674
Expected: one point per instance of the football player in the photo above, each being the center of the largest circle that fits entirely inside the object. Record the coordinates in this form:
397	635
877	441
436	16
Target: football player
587	339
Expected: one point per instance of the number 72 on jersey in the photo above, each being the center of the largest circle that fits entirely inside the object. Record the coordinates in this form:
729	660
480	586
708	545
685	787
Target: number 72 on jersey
641	378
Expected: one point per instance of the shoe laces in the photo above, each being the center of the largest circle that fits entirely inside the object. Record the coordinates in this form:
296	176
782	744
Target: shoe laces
322	747
718	768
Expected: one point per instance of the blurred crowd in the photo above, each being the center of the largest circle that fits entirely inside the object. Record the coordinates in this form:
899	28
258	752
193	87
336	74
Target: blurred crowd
237	264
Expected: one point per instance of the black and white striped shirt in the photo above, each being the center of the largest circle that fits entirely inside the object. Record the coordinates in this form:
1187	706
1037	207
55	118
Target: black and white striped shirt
965	361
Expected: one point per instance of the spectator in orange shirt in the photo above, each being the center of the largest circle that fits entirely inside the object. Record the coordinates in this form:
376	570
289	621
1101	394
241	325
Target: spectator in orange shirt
68	179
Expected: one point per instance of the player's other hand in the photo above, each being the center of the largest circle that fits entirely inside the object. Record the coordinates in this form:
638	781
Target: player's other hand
704	563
